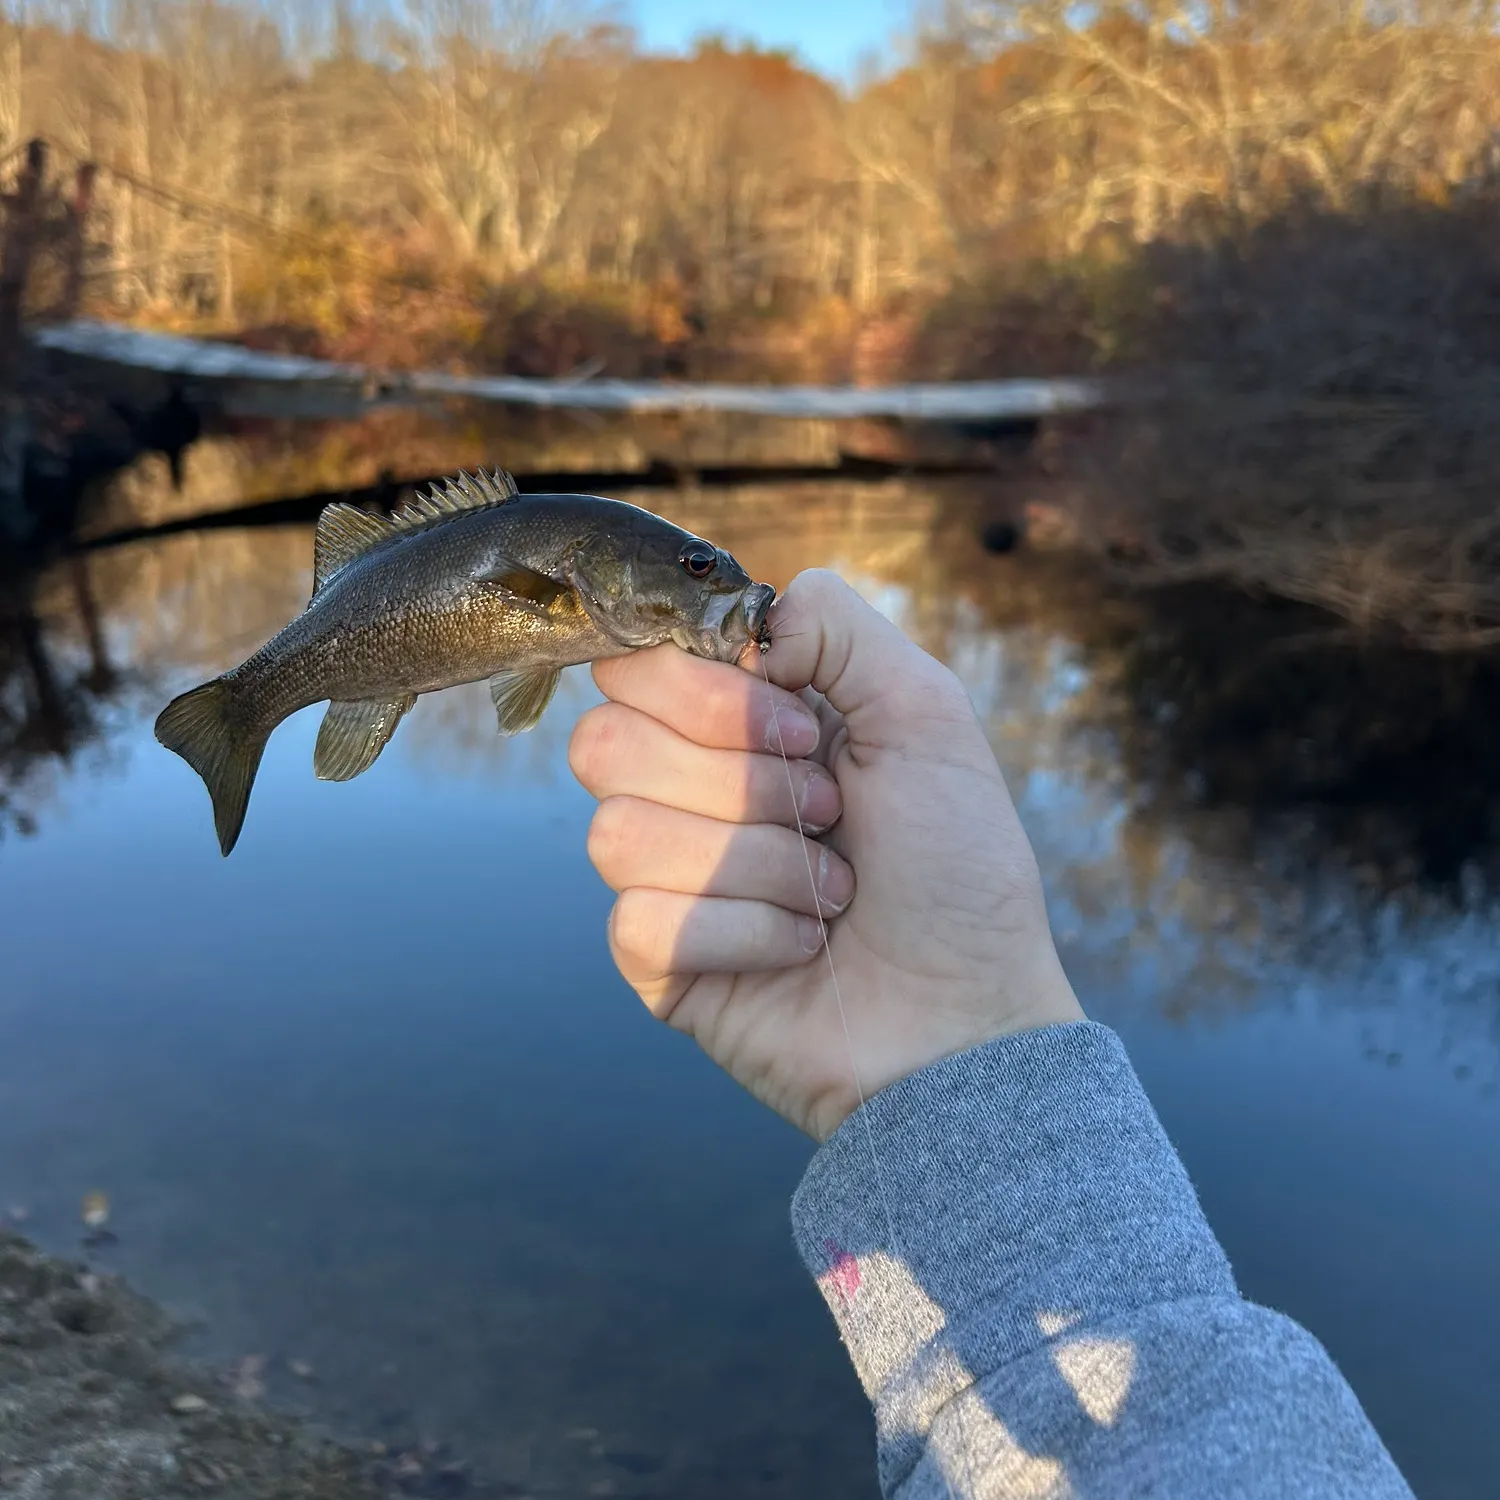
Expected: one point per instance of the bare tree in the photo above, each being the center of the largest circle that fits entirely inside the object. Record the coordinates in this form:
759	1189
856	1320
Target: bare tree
498	104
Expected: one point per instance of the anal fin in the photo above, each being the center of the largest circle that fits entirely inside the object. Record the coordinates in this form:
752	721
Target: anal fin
353	734
521	698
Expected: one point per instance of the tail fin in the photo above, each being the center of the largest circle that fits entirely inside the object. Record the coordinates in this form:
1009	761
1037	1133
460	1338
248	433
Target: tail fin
200	727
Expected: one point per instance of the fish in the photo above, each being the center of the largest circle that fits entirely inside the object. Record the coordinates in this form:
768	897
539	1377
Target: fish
471	581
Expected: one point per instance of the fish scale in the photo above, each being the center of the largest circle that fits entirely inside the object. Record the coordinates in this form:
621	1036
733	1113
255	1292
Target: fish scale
468	582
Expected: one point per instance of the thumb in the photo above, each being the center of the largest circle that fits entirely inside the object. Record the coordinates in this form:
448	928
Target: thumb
889	691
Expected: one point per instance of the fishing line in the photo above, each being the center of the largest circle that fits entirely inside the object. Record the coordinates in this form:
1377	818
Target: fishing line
877	1171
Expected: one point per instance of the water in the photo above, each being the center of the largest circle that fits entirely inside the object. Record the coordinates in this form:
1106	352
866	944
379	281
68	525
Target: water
370	1095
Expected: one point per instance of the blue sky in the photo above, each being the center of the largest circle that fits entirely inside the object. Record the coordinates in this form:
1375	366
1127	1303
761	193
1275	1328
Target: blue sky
829	34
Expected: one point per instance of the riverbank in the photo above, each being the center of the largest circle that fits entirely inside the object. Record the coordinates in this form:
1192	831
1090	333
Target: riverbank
97	1406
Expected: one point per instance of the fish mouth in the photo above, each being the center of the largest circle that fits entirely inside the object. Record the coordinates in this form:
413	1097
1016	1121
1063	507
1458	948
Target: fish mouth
730	623
757	601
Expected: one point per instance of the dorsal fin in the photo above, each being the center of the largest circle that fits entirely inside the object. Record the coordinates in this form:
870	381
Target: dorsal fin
452	497
344	532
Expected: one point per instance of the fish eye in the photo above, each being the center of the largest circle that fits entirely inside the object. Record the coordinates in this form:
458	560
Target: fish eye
698	558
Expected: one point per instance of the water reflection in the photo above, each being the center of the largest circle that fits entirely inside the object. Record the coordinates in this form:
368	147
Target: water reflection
1175	812
490	1204
1185	814
56	689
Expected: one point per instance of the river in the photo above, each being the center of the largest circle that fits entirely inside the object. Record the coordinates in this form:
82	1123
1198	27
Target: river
369	1096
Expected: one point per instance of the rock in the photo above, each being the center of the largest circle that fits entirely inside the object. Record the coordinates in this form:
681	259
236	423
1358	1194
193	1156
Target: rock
127	1410
245	1377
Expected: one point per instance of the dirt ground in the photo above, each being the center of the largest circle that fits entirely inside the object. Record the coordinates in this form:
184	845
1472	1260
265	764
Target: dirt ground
94	1406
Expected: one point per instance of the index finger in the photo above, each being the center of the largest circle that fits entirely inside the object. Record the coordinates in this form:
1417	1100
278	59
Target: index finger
712	703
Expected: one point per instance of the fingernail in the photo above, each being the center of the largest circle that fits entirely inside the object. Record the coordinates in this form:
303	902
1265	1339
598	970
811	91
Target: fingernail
810	934
792	730
835	883
819	802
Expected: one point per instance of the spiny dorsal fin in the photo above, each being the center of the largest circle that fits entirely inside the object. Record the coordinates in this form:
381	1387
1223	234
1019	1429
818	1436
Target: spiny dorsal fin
452	497
344	532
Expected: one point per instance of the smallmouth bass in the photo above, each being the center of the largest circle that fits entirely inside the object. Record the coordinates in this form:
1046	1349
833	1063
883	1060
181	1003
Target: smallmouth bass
471	581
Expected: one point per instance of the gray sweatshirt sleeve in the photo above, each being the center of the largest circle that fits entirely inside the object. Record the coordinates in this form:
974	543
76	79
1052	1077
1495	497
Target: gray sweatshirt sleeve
1036	1306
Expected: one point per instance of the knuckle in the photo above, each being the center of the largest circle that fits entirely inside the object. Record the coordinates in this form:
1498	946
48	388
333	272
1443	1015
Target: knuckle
641	929
581	745
596	743
816	585
803	603
607	838
626	924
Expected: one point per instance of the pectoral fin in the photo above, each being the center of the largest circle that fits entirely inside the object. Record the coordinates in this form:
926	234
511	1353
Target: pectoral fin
521	698
353	734
525	585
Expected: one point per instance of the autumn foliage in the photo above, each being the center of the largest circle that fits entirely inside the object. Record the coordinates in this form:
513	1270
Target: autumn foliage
1279	218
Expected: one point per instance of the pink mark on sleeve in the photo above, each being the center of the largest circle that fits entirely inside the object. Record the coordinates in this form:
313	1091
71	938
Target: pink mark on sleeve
842	1275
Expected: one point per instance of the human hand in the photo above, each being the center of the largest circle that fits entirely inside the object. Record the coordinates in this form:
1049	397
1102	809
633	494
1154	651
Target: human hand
937	929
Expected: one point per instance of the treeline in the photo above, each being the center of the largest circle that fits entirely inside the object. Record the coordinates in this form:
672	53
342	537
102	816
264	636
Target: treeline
288	165
1281	216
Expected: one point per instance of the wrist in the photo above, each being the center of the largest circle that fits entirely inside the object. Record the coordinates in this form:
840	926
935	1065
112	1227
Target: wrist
942	1030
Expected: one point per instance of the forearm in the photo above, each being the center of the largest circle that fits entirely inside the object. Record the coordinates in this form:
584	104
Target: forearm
1036	1306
